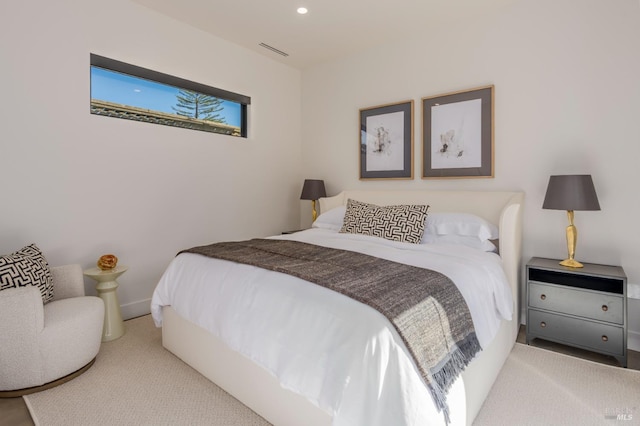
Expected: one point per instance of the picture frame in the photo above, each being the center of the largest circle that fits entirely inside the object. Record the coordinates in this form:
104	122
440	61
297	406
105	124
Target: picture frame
458	134
386	141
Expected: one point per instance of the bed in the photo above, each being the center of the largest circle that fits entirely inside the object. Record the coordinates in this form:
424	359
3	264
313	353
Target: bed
302	383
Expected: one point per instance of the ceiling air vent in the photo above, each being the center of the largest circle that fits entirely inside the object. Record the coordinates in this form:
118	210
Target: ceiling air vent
273	49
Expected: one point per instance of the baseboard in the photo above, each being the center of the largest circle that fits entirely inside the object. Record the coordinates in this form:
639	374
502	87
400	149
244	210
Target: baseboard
633	341
135	309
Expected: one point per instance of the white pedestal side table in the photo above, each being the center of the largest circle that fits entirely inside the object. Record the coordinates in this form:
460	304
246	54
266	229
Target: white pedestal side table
107	285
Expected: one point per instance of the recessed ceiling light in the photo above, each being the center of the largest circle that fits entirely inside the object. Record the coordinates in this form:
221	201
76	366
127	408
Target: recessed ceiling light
302	10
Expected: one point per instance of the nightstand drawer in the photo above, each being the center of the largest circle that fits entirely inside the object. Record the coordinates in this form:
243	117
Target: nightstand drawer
586	334
598	306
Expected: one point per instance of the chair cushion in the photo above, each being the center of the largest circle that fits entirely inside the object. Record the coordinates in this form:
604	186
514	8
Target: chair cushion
71	336
24	267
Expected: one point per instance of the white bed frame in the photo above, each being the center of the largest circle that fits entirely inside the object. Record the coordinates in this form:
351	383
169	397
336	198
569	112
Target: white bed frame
261	391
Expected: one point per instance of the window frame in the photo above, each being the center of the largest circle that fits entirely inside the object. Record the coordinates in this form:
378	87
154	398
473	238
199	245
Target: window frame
177	82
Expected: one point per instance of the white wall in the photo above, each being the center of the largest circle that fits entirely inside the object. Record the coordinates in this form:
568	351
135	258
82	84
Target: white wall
567	101
80	185
567	77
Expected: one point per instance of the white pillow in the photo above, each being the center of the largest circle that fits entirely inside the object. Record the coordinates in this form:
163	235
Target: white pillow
332	219
462	224
473	242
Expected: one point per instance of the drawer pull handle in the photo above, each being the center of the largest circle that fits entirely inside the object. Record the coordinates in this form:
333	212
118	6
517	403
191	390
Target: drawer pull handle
605	308
543	296
605	338
543	324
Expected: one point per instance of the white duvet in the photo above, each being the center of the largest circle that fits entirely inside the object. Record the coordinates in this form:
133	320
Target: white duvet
342	355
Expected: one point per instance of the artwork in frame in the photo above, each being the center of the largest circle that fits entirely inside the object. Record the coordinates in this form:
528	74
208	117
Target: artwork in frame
457	133
386	141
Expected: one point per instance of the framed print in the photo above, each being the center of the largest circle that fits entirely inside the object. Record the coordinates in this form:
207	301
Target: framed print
386	141
457	134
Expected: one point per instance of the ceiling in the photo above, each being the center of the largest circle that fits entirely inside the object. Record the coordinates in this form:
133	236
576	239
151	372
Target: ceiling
331	29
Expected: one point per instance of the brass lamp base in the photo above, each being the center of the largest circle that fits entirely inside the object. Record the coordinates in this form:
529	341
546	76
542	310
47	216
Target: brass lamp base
572	238
572	263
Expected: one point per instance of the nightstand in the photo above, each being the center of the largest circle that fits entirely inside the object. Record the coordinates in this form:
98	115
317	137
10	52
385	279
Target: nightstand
292	231
581	307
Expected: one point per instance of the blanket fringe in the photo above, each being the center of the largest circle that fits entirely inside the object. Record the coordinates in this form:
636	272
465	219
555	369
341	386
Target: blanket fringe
448	373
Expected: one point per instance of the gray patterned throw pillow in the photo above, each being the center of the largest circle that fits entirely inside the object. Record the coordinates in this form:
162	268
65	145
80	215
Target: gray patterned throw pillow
404	223
24	267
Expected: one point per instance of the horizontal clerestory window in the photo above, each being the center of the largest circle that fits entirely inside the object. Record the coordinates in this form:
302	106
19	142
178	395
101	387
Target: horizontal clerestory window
127	91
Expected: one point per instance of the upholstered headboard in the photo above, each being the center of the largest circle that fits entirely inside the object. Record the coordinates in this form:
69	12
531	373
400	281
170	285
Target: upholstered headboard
501	208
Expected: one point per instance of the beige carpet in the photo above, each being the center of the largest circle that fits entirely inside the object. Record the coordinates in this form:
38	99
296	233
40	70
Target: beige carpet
540	387
136	382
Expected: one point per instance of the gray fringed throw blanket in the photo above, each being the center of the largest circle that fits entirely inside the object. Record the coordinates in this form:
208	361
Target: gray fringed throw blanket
424	306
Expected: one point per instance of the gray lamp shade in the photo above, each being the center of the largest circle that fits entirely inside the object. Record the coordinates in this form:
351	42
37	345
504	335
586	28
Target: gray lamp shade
571	192
313	189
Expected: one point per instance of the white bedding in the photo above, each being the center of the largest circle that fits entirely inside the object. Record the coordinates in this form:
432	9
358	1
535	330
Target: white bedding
341	355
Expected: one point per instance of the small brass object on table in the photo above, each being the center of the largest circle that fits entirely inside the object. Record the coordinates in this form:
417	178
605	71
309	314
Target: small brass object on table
107	262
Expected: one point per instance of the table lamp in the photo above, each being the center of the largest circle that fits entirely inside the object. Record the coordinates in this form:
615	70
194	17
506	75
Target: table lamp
571	192
312	190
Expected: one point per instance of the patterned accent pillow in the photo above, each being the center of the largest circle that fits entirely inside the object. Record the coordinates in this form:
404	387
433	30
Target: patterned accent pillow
396	223
27	267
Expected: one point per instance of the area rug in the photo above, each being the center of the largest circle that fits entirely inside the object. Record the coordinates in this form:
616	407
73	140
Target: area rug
540	387
135	381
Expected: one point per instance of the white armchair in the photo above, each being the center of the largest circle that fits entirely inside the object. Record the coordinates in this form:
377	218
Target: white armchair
42	346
